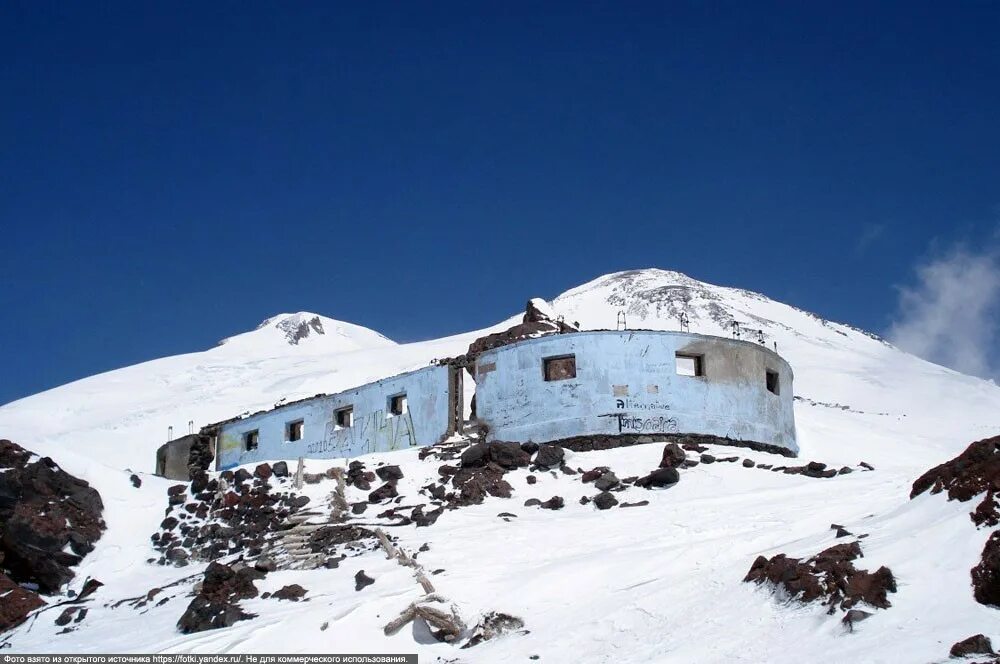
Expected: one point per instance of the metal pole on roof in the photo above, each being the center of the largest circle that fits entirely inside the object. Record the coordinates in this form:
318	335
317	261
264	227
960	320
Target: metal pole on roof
170	433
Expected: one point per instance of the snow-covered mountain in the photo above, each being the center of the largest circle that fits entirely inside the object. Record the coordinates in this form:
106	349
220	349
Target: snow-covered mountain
658	583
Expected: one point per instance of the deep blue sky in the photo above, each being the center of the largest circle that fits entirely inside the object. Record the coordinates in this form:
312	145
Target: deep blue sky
172	173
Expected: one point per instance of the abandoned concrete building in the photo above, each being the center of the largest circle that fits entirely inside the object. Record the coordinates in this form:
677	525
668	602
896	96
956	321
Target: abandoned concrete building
541	381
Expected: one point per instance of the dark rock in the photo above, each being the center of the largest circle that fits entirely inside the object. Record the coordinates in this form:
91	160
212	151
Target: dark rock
549	456
986	575
748	463
529	447
176	490
263	471
293	593
17	602
384	492
591	475
974	472
553	503
136	482
829	575
362	580
265	564
606	481
422	518
203	614
661	477
531	479
215	604
508	455
566	470
49	519
605	500
242	475
66	617
845	471
974	645
389	473
474	484
475	455
641	503
673	456
506	515
866	466
532	501
359	507
854	616
707	458
299	501
280	469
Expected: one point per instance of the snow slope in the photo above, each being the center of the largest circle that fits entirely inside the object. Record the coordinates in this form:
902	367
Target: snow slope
654	583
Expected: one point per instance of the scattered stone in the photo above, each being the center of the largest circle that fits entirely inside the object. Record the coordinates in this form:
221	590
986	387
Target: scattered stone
362	580
531	479
606	482
549	456
845	470
389	473
694	447
707	458
136	482
553	503
242	475
974	645
509	455
641	503
866	466
673	456
263	471
474	484
265	564
854	616
532	501
280	469
529	447
748	463
292	593
475	455
661	477
359	507
605	500
384	492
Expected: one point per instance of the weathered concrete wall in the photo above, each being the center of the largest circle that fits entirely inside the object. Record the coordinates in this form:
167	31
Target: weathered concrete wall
173	458
374	428
626	383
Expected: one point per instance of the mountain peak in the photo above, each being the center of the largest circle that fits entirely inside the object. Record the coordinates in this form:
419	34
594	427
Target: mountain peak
297	326
305	328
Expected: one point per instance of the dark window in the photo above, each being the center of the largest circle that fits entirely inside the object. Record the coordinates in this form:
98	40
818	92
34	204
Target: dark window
293	430
250	440
690	365
344	417
560	368
397	404
772	382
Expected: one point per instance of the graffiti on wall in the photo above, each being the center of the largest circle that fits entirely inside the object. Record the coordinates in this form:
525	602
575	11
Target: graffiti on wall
375	432
635	404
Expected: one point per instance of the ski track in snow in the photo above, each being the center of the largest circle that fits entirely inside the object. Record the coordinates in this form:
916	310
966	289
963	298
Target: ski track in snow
660	583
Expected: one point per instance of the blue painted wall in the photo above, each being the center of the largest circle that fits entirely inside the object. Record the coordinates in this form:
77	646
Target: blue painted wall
626	383
374	428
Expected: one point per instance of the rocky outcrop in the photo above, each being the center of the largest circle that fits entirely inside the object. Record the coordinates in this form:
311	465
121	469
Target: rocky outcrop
49	519
16	604
974	645
215	604
974	472
986	575
829	576
536	322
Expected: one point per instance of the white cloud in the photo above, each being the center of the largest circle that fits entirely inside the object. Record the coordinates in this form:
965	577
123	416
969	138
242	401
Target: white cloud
951	316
